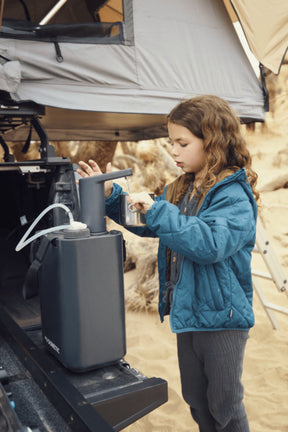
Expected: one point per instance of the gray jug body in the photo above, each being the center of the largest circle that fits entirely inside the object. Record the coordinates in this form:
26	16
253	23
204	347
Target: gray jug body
82	300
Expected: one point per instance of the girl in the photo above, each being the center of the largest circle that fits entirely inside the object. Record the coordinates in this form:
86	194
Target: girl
206	223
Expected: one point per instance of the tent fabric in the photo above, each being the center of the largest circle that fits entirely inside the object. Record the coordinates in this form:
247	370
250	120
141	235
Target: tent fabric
10	76
265	24
172	51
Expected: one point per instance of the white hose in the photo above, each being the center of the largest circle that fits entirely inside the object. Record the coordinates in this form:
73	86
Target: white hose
22	243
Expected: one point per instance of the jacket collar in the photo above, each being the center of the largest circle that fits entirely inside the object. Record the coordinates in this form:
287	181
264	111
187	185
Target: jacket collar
237	177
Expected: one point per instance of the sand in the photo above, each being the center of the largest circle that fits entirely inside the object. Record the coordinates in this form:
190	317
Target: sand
151	347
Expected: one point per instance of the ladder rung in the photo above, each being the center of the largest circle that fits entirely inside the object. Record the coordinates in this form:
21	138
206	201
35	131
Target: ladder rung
276	274
262	274
276	308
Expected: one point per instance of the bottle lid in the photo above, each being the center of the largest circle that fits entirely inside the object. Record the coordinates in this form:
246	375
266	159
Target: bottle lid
76	230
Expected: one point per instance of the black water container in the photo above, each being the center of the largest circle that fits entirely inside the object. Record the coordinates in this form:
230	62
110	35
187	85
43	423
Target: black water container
82	299
82	288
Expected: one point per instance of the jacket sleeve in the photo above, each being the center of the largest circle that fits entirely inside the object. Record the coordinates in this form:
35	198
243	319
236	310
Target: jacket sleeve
112	203
112	208
218	232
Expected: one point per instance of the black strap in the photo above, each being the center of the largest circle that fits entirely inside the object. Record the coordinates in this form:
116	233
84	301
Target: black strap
59	56
28	141
7	156
31	282
4	58
26	11
264	88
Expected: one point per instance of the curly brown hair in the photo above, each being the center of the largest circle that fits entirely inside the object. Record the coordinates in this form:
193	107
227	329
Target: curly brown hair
212	119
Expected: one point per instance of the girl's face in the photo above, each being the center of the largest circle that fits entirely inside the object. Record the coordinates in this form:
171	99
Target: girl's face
187	149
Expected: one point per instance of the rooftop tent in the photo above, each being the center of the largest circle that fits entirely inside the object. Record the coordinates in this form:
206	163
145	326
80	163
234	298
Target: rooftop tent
113	70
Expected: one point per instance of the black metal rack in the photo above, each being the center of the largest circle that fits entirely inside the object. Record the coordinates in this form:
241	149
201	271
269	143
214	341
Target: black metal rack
14	115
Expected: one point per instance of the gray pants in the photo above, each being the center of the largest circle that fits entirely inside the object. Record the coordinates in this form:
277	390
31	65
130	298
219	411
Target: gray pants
211	365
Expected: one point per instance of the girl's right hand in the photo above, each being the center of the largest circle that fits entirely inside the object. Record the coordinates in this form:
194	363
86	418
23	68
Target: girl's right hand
92	169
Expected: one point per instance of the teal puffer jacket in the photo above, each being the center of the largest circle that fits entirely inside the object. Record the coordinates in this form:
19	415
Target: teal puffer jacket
214	290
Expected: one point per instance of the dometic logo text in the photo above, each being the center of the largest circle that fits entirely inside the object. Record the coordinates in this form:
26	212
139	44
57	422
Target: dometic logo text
52	345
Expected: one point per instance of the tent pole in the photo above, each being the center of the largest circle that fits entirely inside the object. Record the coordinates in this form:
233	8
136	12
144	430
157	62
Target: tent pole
1	12
53	12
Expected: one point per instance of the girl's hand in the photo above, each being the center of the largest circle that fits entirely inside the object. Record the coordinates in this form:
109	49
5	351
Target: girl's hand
141	201
92	169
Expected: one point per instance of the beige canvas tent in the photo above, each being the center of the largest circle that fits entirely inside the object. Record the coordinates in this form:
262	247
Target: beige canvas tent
114	69
265	24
